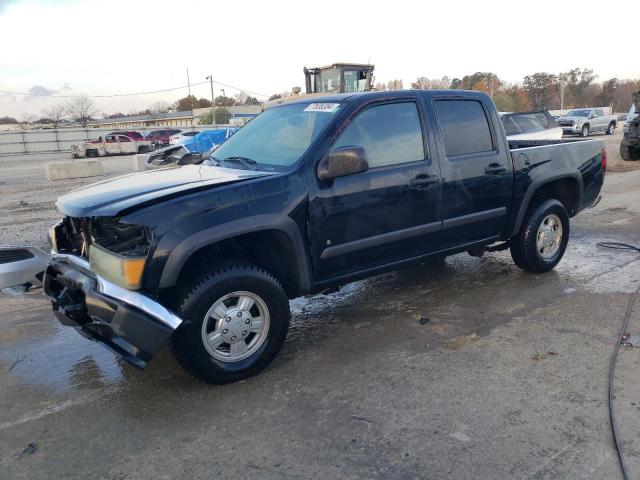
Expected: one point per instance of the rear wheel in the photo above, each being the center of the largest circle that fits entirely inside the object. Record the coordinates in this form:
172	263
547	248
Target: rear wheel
585	131
629	154
611	128
543	238
236	320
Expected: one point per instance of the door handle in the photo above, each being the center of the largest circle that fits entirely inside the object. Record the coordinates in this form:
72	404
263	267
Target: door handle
495	169
422	182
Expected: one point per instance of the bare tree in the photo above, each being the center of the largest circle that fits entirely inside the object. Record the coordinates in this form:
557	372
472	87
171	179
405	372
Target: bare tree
55	114
82	109
423	83
157	109
26	119
395	85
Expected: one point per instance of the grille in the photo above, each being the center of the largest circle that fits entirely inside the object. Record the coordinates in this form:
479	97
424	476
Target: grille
14	255
565	123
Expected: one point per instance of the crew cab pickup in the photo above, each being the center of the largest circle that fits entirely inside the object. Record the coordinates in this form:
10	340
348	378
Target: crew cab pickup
111	144
583	121
308	196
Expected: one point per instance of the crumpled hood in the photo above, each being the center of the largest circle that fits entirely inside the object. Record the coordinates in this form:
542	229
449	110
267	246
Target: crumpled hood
110	197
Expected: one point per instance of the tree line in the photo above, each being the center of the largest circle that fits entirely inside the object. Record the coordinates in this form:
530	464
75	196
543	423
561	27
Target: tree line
539	91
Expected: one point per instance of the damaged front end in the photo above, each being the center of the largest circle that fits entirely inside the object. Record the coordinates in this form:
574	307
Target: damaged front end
93	275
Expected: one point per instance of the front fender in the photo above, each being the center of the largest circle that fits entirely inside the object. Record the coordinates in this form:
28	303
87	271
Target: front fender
187	247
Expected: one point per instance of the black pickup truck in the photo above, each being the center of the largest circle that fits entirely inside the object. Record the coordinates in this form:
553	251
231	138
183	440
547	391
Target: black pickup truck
309	195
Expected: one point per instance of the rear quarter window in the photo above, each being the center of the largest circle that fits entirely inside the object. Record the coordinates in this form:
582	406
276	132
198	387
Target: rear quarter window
464	126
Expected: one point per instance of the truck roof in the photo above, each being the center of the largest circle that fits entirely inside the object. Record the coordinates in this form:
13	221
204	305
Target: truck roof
373	95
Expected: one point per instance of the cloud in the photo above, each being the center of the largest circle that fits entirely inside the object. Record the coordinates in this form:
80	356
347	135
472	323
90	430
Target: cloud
40	91
66	86
8	98
5	3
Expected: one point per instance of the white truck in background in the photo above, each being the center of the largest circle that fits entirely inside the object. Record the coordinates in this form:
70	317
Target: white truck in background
111	144
583	121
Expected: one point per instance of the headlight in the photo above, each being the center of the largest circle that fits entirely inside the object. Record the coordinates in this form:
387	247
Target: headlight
577	123
125	271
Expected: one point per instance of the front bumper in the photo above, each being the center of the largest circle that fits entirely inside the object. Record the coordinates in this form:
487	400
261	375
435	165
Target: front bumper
572	129
129	323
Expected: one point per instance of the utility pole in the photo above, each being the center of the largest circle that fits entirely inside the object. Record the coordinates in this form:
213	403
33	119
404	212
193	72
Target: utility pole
189	95
562	85
213	99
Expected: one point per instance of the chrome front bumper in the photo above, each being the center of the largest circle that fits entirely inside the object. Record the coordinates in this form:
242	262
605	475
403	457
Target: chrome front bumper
129	323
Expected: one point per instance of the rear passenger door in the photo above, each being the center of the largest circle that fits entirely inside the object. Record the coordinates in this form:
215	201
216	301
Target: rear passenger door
600	120
476	169
390	212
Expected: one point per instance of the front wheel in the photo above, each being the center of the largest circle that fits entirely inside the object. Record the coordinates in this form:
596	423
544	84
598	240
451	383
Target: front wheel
585	131
236	320
542	239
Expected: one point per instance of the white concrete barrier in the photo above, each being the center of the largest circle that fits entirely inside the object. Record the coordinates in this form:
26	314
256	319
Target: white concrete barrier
139	162
74	169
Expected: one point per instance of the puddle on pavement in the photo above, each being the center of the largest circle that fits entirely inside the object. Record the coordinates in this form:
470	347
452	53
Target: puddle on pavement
62	361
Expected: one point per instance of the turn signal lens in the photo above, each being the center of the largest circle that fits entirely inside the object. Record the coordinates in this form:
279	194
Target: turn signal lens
125	271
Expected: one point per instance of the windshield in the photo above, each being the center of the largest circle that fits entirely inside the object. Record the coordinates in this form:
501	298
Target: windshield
278	137
579	113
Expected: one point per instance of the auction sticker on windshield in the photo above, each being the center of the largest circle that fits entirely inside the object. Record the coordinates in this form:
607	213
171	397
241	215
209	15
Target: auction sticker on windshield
322	107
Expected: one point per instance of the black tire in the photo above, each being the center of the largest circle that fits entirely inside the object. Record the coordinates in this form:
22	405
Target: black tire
187	342
629	154
92	153
585	131
524	250
611	129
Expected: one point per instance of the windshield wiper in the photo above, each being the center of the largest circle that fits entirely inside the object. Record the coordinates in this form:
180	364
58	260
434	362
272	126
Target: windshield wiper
247	162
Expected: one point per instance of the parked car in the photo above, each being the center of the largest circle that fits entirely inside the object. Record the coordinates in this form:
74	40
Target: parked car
132	134
160	138
629	118
308	196
630	145
191	150
111	144
180	137
538	125
583	121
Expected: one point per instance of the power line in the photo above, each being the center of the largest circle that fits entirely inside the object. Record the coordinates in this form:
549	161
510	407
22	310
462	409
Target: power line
7	92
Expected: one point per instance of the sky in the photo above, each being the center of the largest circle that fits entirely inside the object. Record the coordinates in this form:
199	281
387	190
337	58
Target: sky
67	47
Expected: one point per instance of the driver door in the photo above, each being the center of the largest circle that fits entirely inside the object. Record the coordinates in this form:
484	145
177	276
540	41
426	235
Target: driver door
111	145
388	213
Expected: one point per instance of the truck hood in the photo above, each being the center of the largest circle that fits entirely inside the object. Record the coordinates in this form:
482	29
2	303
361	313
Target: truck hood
111	197
573	118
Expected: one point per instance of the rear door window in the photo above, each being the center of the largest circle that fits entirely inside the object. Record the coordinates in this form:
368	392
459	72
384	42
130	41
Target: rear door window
390	134
464	126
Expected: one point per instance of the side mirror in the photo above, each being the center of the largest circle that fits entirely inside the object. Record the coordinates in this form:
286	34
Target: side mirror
341	162
593	115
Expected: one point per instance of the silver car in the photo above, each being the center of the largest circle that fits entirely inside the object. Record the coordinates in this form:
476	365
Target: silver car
583	121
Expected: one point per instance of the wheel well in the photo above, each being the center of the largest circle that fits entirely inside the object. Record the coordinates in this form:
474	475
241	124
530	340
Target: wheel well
272	250
566	190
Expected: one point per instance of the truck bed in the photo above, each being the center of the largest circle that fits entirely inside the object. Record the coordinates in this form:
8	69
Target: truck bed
580	159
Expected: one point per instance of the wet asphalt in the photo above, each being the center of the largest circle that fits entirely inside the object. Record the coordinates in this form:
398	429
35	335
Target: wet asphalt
466	369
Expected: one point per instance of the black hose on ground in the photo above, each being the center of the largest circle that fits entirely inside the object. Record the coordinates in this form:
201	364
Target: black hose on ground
616	350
